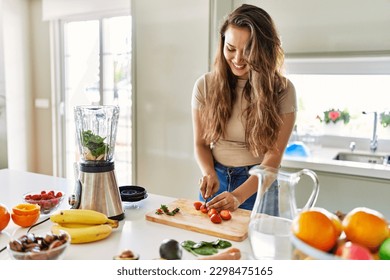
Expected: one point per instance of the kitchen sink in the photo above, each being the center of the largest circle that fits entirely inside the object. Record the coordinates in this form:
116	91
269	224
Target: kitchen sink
365	158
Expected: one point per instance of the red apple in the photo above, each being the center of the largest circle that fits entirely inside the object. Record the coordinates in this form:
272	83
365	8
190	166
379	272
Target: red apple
353	251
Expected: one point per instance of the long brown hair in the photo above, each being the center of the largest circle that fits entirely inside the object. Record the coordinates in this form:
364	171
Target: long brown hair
265	57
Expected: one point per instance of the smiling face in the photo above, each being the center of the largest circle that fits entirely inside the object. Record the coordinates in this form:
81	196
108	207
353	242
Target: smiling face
236	39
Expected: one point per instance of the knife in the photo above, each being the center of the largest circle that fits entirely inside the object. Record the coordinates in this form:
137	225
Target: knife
205	201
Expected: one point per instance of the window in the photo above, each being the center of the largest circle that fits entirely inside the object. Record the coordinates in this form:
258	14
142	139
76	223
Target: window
341	84
96	62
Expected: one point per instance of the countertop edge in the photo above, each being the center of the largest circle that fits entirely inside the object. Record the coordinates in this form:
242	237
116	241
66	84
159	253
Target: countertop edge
322	160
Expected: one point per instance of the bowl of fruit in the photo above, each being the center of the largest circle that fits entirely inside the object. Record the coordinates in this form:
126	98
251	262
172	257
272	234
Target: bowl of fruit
360	234
48	200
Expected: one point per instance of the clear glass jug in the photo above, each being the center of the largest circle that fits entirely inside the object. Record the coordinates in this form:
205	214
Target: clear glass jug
275	207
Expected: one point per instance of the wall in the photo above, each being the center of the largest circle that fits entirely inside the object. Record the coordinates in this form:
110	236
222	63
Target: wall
41	87
171	52
308	26
18	84
3	123
26	78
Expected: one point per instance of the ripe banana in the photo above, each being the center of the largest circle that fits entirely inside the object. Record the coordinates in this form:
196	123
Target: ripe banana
82	216
86	234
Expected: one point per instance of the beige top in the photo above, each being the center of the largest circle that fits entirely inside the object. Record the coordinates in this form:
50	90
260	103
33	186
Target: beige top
232	150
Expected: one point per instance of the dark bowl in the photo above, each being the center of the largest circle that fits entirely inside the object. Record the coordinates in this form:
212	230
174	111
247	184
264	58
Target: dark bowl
132	193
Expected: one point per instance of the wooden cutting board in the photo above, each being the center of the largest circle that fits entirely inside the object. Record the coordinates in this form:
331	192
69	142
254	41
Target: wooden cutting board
235	229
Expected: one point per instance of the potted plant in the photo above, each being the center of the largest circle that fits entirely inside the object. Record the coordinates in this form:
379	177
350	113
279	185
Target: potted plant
335	116
385	119
334	121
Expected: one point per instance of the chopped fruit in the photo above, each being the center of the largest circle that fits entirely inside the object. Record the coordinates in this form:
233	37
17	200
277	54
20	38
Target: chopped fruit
216	219
212	212
225	215
203	209
25	214
197	205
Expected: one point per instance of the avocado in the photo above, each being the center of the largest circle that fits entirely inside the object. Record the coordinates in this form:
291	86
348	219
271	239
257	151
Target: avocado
170	249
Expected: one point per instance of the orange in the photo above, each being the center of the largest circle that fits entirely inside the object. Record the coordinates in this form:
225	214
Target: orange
315	228
4	217
366	227
25	214
334	218
24	220
26	209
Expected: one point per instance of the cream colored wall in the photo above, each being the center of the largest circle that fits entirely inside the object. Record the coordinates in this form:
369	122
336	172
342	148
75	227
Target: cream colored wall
41	86
171	52
3	123
27	78
18	84
308	26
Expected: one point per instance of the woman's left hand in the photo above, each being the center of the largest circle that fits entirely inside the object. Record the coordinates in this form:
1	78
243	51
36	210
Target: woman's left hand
225	200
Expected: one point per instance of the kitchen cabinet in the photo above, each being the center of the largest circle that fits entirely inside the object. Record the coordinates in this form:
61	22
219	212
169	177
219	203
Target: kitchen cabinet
344	192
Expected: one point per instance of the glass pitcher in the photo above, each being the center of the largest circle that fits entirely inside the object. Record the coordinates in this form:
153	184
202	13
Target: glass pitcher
275	207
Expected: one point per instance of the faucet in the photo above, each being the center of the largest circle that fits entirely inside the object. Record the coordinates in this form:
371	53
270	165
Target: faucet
374	138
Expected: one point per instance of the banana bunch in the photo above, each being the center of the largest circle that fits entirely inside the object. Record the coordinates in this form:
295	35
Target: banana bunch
83	225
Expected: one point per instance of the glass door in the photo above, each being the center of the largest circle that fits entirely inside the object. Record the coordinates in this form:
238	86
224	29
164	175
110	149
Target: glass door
97	71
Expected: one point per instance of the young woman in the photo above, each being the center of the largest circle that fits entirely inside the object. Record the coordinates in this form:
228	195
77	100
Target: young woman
243	110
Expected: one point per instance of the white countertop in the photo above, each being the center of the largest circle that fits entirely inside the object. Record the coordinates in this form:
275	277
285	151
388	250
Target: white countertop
322	159
134	232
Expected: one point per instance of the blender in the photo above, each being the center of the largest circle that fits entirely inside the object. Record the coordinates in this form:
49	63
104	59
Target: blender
96	185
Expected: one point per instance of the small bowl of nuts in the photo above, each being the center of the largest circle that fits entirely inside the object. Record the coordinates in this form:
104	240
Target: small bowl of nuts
48	246
49	200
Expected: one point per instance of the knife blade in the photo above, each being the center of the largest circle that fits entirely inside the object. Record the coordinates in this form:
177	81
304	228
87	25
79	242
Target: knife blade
205	201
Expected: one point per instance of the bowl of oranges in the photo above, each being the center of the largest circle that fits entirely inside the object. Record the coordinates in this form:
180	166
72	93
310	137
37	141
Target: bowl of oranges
360	234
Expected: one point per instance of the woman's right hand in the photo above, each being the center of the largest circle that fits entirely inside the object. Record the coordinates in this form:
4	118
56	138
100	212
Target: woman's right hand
209	185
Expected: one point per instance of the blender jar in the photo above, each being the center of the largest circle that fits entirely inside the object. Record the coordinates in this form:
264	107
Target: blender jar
96	128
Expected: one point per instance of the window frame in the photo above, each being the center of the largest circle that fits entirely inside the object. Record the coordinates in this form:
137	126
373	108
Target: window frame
58	85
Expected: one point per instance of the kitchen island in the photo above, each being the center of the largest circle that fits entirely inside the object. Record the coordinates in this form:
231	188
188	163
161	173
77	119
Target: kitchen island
134	232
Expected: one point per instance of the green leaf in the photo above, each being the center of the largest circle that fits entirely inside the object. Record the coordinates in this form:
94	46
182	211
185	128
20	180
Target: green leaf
206	250
223	244
94	143
204	247
187	245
